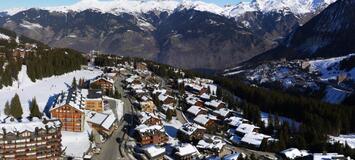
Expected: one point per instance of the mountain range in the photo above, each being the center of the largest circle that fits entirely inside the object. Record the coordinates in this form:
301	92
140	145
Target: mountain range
188	34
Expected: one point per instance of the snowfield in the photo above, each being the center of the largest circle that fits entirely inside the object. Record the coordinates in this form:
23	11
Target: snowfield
5	37
344	139
43	89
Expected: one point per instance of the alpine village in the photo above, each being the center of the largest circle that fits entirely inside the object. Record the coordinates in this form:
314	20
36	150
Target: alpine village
184	80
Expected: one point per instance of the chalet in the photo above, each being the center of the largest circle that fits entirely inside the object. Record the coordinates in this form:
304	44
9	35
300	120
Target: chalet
102	122
94	100
30	139
207	121
196	89
154	134
102	82
149	119
166	99
253	140
134	79
196	110
69	109
215	104
293	153
186	151
190	132
222	113
194	101
148	106
234	121
245	128
211	146
154	152
141	66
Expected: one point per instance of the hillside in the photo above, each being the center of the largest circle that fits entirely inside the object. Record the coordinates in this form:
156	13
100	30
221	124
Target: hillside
329	34
40	60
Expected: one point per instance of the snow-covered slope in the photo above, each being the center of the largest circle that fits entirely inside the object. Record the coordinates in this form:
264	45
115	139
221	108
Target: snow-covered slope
5	37
136	7
329	68
287	6
41	89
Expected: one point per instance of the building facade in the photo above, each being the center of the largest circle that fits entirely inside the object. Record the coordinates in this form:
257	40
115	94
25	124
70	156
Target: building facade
68	108
30	139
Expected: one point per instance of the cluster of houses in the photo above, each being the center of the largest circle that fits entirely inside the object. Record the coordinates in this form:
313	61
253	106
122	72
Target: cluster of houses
155	98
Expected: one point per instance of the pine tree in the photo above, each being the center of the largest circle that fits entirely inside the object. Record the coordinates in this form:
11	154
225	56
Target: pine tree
74	84
35	109
7	108
16	108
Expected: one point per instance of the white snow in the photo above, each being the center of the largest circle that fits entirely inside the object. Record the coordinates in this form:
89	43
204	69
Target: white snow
30	25
335	95
5	37
343	139
76	143
329	68
293	153
137	7
282	119
43	89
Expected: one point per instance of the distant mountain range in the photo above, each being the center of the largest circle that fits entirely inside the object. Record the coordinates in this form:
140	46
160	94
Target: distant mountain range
188	34
329	34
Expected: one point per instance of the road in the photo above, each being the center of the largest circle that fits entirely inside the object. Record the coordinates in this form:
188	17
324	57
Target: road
115	147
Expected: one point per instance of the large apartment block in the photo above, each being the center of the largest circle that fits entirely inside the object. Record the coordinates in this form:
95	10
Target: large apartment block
30	139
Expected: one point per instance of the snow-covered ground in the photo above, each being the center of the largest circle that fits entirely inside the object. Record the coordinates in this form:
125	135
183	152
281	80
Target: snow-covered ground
265	119
43	89
76	143
171	129
5	37
329	68
335	95
344	139
119	108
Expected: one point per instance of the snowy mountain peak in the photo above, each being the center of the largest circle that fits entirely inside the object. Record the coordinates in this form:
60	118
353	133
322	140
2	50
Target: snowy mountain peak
293	6
138	6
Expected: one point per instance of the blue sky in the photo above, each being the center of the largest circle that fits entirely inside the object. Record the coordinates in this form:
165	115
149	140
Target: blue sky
6	4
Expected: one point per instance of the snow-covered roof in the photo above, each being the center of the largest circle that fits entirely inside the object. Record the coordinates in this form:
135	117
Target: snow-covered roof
214	103
205	96
73	97
13	125
153	151
235	121
212	143
151	129
102	119
326	156
186	149
246	128
144	116
190	128
202	119
293	153
131	78
102	77
195	110
222	112
161	91
233	156
254	139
